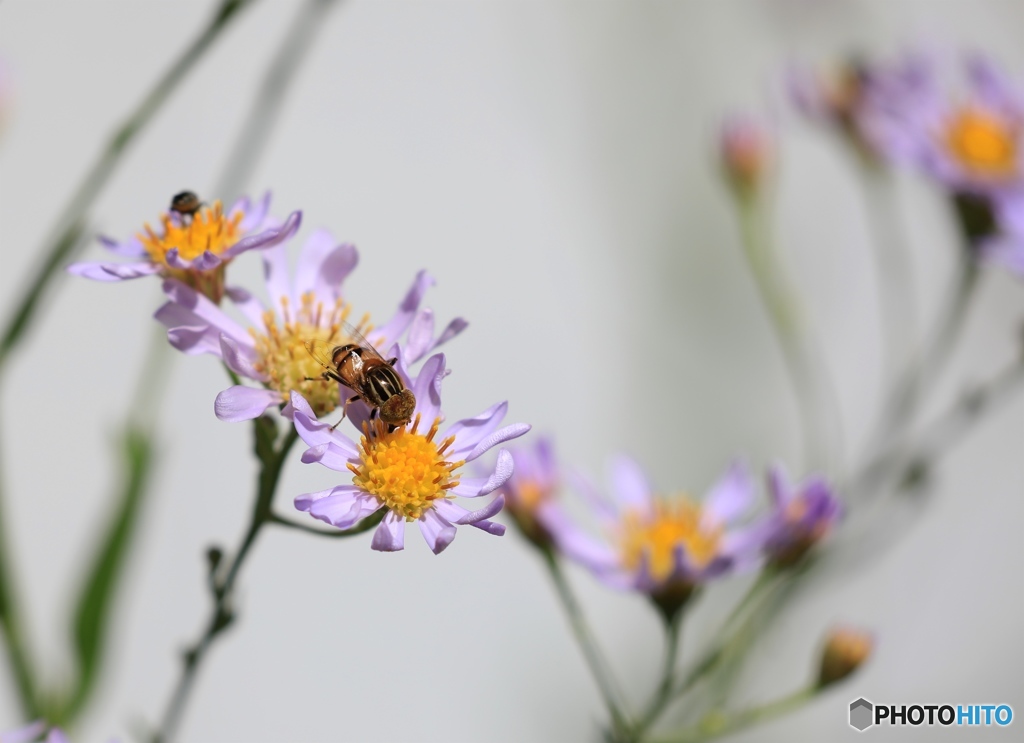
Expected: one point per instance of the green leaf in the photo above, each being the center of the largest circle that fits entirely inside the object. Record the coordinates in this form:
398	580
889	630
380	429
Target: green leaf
92	613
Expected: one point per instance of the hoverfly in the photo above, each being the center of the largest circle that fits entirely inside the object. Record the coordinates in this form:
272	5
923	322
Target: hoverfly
185	203
358	366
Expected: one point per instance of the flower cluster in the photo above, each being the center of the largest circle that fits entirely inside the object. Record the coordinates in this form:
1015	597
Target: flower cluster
970	142
413	471
665	546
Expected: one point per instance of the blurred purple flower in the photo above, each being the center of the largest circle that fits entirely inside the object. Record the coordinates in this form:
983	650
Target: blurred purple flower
970	142
867	103
664	546
530	493
800	518
412	471
194	249
34	732
306	307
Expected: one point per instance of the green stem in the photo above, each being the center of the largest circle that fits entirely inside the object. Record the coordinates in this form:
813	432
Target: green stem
893	271
663	695
813	390
267	105
71	224
917	381
12	627
718	648
588	645
900	463
717	726
222	614
363	526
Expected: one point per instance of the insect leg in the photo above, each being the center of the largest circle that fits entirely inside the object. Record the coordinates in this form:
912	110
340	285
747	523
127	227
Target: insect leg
344	410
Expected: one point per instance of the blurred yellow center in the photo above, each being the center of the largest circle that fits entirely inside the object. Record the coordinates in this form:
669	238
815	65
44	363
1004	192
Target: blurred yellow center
207	229
654	537
405	470
983	143
282	354
529	495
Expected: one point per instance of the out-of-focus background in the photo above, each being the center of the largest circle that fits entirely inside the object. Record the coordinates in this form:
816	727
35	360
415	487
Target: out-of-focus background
552	165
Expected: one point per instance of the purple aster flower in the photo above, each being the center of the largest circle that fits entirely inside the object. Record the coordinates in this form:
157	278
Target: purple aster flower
413	470
194	248
746	148
530	493
973	142
306	307
664	546
34	732
801	517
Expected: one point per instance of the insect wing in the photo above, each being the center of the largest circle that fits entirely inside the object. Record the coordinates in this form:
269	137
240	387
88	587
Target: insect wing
360	340
322	353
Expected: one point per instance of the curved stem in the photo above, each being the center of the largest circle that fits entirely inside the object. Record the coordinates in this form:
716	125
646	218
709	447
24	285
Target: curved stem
716	727
267	105
740	614
814	392
901	462
663	695
14	637
588	645
222	614
362	527
896	293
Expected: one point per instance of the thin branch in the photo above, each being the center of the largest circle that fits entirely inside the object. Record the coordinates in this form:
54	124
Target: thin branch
267	105
222	614
599	668
715	726
813	389
361	528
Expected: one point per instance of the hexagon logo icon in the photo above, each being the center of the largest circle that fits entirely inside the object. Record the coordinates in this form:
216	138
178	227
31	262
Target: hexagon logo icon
861	714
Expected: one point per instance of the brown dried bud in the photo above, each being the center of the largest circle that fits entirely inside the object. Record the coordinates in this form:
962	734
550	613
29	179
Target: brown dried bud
845	651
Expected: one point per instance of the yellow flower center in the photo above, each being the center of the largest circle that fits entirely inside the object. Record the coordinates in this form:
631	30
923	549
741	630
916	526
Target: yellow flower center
529	495
207	229
282	354
654	537
405	470
983	143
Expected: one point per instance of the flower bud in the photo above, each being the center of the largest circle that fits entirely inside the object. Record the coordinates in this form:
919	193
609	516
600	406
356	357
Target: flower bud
845	651
746	150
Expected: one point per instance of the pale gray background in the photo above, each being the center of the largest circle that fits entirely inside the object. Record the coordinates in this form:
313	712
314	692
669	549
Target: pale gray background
550	163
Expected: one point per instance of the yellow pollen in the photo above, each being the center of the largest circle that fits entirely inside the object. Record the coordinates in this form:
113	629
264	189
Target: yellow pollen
654	537
208	229
282	354
983	143
405	470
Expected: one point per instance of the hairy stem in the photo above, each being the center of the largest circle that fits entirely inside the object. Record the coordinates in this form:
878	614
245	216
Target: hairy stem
222	613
